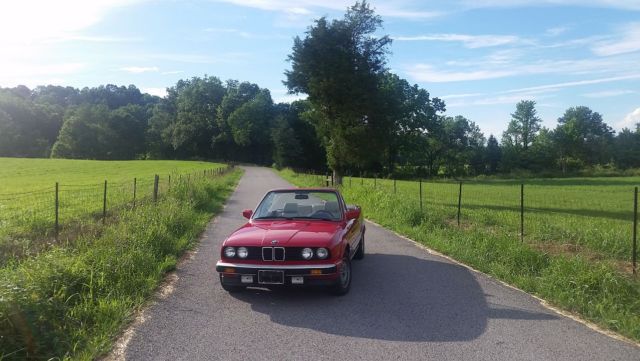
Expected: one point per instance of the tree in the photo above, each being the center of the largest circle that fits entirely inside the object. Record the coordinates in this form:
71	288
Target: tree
195	102
524	125
85	134
581	134
339	65
493	155
295	141
627	148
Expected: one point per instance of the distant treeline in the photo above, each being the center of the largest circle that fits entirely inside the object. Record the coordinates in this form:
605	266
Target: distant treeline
205	118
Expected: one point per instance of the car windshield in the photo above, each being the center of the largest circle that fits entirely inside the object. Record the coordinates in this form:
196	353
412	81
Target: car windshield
300	204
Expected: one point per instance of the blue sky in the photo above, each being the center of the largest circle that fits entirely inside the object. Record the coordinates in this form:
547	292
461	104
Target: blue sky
481	56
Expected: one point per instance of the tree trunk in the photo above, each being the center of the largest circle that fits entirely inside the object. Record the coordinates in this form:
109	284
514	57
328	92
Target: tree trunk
337	177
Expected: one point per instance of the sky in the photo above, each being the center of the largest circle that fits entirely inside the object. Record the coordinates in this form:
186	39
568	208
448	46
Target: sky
480	56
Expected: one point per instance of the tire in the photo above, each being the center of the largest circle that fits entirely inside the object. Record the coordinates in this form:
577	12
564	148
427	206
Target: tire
231	288
360	252
343	284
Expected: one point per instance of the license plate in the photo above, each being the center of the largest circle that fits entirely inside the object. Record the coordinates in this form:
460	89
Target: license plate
271	277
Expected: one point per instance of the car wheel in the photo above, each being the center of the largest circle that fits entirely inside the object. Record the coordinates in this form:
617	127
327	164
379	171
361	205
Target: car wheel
343	284
231	288
360	252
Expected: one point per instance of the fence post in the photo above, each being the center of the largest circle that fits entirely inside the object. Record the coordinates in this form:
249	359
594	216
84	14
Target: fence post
361	179
394	186
635	229
169	185
350	179
420	181
57	224
155	188
374	181
104	203
135	186
459	202
522	212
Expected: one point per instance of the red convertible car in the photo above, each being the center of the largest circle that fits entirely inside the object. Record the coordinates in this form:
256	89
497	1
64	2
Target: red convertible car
295	237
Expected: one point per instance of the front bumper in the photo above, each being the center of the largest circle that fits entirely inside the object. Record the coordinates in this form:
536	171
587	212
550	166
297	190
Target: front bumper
312	275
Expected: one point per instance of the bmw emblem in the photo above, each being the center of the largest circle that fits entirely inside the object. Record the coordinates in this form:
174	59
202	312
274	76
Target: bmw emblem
274	241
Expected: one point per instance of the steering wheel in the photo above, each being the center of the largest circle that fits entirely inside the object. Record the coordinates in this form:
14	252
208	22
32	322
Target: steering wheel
322	214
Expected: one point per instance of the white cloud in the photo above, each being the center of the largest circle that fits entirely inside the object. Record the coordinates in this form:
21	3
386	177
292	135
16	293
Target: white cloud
469	41
575	83
161	92
458	96
27	21
627	42
140	69
29	30
616	4
630	120
427	73
608	93
171	72
555	31
307	7
283	96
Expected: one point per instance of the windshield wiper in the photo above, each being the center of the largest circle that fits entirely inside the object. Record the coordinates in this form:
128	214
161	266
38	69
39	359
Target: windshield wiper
319	218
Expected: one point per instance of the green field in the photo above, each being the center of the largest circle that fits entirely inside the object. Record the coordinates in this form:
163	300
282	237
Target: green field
68	299
577	244
27	195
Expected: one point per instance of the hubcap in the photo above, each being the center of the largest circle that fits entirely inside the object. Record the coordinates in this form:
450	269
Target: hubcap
345	273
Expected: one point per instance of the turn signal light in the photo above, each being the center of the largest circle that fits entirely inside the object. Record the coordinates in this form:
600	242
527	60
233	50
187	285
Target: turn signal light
316	271
229	270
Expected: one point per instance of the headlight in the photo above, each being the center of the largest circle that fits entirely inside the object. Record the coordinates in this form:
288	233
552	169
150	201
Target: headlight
230	252
243	252
322	253
307	253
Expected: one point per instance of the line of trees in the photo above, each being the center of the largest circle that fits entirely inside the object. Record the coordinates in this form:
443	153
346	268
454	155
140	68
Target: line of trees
358	118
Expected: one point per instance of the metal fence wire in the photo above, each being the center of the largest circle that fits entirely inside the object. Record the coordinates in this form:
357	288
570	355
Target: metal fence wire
566	216
39	215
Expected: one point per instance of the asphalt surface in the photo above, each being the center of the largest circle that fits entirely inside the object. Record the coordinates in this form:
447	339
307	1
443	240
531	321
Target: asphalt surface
404	304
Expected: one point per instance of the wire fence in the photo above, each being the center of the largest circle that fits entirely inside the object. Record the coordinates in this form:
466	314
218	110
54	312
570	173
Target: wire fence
594	218
33	219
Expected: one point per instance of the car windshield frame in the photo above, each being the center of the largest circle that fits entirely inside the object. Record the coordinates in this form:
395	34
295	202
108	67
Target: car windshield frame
319	214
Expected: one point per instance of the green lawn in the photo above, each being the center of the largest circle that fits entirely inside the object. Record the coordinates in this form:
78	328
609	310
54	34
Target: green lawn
577	246
27	195
68	299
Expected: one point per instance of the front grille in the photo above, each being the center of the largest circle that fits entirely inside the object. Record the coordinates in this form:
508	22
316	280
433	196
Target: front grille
283	253
273	254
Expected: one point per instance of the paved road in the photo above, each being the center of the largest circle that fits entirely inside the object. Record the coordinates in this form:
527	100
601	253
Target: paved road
404	304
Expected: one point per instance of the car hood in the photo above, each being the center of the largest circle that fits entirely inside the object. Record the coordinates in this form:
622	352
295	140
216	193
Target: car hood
286	233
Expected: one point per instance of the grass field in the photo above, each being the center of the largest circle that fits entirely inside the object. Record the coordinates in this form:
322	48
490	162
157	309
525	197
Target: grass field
27	195
70	299
577	246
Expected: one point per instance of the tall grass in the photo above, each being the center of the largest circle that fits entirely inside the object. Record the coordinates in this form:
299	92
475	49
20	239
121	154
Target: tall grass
27	196
70	302
594	287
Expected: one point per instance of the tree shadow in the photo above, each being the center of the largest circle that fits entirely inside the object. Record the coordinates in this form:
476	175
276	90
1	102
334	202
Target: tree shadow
393	297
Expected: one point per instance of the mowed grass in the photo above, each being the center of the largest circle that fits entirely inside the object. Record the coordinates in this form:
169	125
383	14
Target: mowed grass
577	246
27	195
71	300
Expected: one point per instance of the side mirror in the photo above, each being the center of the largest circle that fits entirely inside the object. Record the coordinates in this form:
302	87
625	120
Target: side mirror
247	213
353	213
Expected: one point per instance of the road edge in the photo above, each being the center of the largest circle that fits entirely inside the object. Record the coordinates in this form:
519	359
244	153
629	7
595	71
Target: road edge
544	303
164	290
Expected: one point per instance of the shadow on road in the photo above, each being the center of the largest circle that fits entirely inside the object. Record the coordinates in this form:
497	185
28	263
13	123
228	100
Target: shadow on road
393	297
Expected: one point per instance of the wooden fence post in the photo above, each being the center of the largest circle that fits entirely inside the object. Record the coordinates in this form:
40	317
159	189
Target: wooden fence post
635	229
420	181
135	186
522	212
57	224
155	188
104	203
459	202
